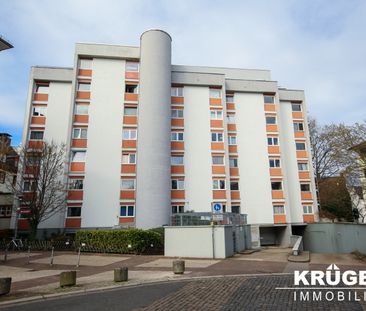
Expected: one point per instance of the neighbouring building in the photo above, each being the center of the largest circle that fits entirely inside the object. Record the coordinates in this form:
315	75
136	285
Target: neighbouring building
148	139
4	45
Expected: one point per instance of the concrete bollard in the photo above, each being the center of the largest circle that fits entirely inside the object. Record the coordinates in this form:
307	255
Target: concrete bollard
67	278
5	284
178	266
121	274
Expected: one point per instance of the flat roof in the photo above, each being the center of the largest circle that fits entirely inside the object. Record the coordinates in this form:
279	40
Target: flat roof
4	45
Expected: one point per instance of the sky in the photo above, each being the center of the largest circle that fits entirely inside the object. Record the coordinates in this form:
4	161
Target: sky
318	46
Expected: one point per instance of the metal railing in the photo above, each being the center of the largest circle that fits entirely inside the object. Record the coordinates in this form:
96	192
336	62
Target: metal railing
205	219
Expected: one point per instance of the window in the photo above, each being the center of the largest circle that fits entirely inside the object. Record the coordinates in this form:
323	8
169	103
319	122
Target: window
268	99
303	166
215	93
305	187
229	98
177	209
42	88
177	160
177	91
127	211
127	184
217	160
235	209
218	137
234	185
232	140
177	113
83	87
80	133
129	134
300	146
272	141
298	126
39	111
74	211
276	185
218	184
5	211
78	156
278	209
216	114
308	209
296	107
274	163
177	136
129	158
29	185
36	135
2	177
233	162
131	88
132	66
76	184
177	184
85	63
81	109
270	120
230	118
130	111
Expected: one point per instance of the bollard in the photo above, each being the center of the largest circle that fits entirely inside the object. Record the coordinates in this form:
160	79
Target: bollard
29	250
121	274
67	278
51	263
6	255
178	266
5	284
78	258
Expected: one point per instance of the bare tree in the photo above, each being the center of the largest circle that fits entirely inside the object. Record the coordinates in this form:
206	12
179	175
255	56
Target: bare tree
40	188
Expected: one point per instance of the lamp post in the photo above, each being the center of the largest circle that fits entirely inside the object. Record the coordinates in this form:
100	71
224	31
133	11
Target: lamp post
17	210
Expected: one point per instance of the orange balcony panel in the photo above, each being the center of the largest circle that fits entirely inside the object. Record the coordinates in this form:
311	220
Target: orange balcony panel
231	127
177	169
38	120
299	134
132	75
233	149
23	224
230	106
297	115
217	146
73	222
301	154
219	194
31	169
177	100
129	144
235	195
277	194
218	169
279	219
127	194
126	220
306	195
271	128
35	144
128	168
275	171
177	122
234	171
177	194
83	95
79	143
77	166
129	120
132	97
273	149
308	218
85	72
269	107
217	123
215	101
75	195
40	97
177	145
81	118
304	175
28	196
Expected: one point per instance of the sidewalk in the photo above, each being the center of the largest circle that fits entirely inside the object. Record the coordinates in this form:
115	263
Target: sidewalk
39	279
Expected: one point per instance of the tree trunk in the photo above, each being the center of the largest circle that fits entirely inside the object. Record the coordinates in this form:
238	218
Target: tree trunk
33	225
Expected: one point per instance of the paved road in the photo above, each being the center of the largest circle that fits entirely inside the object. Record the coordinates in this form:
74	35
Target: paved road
224	294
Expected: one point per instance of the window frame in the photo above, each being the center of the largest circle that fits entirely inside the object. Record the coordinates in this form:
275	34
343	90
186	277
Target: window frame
277	182
297	144
217	184
296	104
234	182
299	164
216	92
180	185
128	179
135	88
88	61
271	117
40	114
129	131
8	211
84	83
299	126
307	209
176	91
275	209
217	156
177	116
275	161
129	155
73	182
131	64
265	97
129	108
230	137
36	131
127	207
305	184
74	153
81	130
39	86
175	136
179	209
217	135
216	114
69	208
77	107
272	139
176	156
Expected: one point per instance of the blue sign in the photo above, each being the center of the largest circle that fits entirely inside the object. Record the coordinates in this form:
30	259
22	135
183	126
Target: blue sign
217	207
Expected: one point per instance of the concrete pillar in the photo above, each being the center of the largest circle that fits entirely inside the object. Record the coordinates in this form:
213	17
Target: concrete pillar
5	284
67	278
153	138
178	266
121	274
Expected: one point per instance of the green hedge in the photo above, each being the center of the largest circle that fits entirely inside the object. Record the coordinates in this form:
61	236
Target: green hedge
136	241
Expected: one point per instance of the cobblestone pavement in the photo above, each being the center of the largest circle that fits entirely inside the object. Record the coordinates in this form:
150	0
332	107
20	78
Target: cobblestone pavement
246	293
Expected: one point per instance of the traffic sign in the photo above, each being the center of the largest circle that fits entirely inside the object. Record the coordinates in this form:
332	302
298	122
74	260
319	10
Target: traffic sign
217	207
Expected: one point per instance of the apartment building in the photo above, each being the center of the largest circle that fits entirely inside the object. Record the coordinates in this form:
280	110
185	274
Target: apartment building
148	139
